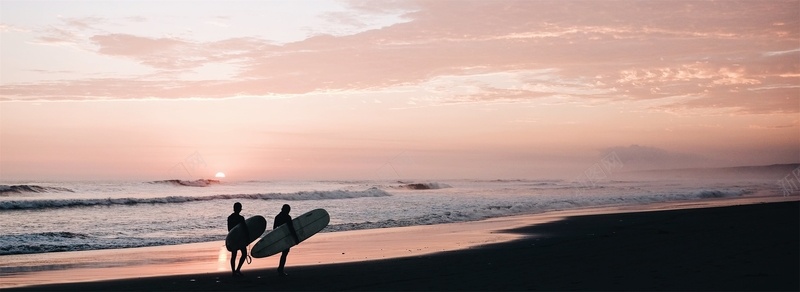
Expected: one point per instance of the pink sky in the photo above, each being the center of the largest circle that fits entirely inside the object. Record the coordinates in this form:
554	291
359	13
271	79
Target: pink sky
393	89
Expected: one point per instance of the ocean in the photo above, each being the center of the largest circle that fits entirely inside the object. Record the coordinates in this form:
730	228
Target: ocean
38	217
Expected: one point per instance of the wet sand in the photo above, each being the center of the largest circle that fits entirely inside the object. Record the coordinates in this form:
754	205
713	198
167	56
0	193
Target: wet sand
753	246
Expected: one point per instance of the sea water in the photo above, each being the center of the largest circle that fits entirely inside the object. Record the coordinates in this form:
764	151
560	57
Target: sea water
70	216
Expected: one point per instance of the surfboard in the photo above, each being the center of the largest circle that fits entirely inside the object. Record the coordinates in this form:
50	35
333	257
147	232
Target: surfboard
279	239
236	240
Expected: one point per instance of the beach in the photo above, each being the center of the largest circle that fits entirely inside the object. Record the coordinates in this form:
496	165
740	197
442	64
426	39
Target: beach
730	244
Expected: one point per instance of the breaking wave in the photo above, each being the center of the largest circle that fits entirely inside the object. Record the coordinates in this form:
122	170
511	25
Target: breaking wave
424	186
544	205
188	183
19	189
298	196
708	194
67	241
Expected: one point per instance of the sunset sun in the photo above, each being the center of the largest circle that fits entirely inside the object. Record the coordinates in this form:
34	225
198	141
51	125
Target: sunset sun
219	175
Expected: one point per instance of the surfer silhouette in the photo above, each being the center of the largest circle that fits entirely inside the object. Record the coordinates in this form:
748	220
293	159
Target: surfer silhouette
235	219
284	218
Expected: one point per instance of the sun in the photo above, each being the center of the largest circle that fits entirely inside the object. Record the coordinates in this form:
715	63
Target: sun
220	175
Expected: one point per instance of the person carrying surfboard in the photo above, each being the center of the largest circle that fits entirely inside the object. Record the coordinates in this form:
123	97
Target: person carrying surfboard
284	218
235	219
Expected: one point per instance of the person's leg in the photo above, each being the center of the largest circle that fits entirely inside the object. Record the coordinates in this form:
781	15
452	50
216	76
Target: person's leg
282	263
241	260
233	261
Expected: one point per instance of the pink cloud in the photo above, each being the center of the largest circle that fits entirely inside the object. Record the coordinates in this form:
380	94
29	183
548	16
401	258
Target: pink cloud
69	32
54	35
11	28
164	53
84	23
719	52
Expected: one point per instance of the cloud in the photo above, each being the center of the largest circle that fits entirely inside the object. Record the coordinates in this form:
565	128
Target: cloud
361	12
118	88
778	53
794	124
84	23
507	86
161	53
734	55
137	18
175	53
11	28
220	21
54	35
128	45
70	30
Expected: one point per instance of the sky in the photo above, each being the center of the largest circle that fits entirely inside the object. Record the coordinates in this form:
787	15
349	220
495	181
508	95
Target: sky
323	89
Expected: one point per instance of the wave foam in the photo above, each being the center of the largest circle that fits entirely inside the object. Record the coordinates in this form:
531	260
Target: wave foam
539	206
298	196
67	241
708	194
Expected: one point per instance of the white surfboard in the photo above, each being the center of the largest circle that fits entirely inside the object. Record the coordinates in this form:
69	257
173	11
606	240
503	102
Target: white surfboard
279	239
236	240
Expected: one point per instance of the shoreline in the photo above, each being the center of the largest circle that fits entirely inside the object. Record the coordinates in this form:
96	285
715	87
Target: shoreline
359	247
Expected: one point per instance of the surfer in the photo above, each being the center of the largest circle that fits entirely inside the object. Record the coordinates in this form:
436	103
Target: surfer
284	218
235	219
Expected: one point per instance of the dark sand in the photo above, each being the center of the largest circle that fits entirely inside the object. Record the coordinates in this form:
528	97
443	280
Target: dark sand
748	247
